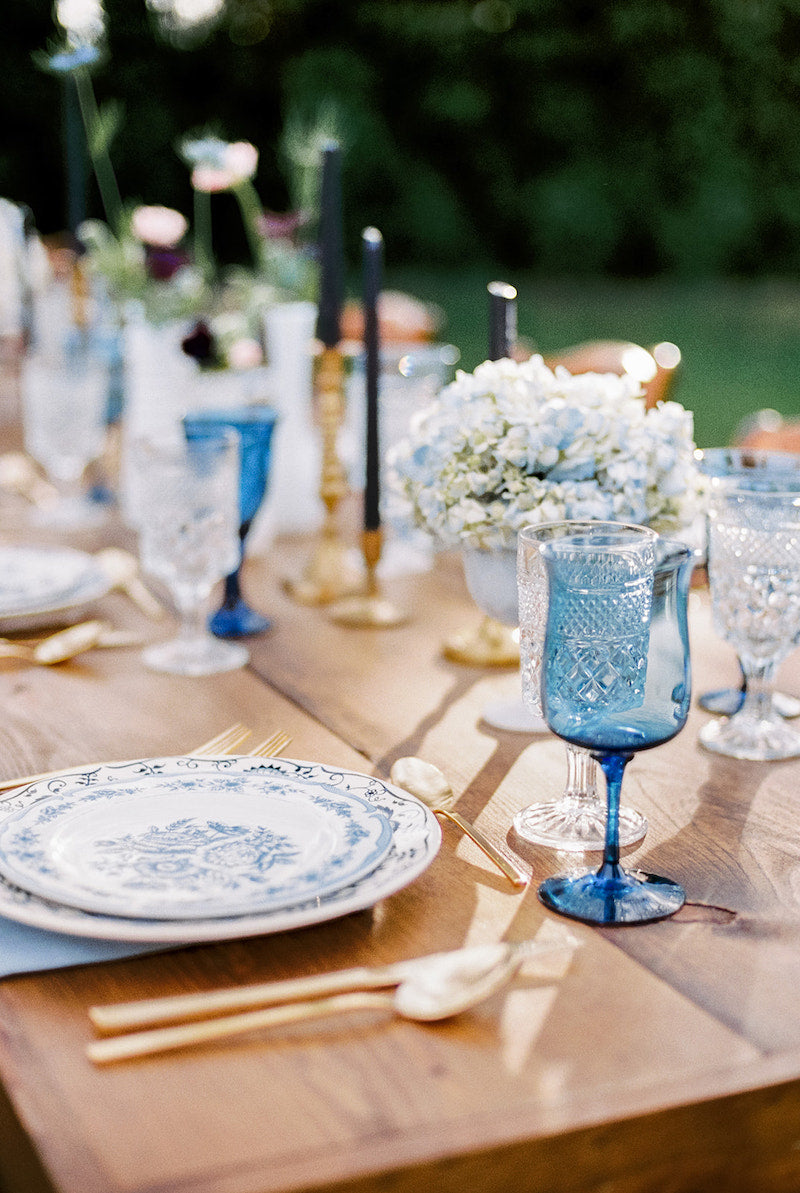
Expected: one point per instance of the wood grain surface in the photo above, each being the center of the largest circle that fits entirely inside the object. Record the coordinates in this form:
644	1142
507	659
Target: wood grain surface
661	1057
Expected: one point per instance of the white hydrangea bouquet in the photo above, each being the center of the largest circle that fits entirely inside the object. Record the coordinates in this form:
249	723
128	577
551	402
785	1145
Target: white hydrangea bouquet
518	443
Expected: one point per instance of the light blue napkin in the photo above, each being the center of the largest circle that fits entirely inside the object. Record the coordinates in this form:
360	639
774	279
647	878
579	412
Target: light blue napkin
29	950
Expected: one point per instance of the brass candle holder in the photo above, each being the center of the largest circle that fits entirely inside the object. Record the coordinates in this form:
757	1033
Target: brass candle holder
490	644
369	608
329	573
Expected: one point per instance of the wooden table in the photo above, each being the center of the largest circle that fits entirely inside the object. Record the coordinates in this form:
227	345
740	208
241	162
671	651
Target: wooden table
663	1057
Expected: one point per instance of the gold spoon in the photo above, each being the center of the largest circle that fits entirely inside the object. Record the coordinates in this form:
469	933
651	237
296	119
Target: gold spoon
431	993
122	570
428	784
18	475
466	964
66	644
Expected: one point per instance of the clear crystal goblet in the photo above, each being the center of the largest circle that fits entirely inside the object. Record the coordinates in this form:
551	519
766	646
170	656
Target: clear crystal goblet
189	539
492	583
754	577
64	408
615	680
576	820
746	463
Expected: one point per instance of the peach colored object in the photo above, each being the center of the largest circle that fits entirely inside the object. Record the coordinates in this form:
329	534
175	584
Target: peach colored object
402	319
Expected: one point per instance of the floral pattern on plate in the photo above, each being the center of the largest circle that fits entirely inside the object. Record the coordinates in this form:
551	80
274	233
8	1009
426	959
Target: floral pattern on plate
192	843
416	837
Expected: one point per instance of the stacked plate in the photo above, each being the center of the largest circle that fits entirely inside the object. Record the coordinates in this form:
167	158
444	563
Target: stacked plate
44	585
198	849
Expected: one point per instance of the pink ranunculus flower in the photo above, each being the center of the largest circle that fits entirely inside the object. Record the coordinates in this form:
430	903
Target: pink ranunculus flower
238	163
241	159
211	180
245	354
161	227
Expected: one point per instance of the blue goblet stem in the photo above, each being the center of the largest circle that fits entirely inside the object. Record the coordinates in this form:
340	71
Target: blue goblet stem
232	594
235	618
613	766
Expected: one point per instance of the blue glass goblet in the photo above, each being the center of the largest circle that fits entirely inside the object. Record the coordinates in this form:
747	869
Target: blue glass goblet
255	424
616	680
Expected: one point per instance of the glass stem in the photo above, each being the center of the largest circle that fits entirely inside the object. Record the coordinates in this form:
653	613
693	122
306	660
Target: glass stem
233	591
192	612
613	766
581	775
758	687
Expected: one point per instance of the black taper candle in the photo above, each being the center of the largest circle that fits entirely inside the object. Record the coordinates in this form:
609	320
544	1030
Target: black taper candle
331	251
75	160
502	320
372	259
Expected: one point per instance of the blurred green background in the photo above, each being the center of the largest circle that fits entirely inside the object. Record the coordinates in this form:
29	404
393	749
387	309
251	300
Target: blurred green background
632	166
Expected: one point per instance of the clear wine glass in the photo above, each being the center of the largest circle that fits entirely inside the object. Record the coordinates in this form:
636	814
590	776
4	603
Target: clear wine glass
616	680
64	407
491	577
254	424
754	576
577	819
746	462
189	539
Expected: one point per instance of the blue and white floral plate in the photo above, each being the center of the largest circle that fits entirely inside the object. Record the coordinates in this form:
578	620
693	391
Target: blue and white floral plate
44	585
112	852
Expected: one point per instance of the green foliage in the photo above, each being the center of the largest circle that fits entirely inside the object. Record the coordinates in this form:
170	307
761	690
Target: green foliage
631	137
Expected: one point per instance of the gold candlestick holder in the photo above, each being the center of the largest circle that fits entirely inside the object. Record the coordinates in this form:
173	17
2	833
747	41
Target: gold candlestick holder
329	573
369	608
490	644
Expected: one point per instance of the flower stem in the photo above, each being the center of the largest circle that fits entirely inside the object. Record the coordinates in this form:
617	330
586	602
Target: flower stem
202	235
101	162
250	208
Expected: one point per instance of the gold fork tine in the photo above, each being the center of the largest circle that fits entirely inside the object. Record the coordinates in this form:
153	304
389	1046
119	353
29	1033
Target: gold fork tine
270	746
220	744
234	735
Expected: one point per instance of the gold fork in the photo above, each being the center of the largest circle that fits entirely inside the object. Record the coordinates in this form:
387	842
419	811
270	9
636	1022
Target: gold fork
270	746
221	743
224	742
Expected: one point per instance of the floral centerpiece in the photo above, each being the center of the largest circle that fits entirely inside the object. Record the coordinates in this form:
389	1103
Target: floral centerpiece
518	443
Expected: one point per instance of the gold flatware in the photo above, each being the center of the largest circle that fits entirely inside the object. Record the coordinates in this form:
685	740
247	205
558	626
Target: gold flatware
461	964
224	742
68	643
58	647
427	994
122	569
18	475
220	744
428	784
270	746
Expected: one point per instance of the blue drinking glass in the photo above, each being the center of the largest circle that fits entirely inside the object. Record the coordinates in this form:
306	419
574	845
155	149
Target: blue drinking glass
255	424
616	680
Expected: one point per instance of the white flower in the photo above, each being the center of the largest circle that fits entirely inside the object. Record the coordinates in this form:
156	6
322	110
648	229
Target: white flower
515	443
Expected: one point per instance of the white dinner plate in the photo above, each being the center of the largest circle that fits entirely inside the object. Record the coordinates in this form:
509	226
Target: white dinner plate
187	841
43	585
414	839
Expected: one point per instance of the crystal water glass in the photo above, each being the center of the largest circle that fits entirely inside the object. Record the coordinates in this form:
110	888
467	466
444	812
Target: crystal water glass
616	680
491	578
747	463
754	577
575	821
254	424
189	540
64	408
